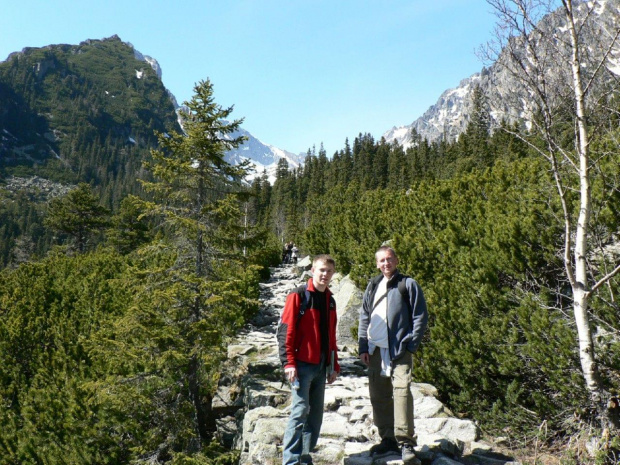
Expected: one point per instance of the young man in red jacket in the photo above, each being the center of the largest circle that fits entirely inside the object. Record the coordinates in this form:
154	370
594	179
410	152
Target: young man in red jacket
308	351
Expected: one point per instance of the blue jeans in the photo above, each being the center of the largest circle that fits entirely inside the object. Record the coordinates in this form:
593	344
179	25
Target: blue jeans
304	422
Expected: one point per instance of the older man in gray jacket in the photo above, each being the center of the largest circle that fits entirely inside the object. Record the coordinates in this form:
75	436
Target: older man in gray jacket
391	325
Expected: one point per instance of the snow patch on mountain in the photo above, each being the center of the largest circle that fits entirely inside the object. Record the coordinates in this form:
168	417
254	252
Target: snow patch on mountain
264	157
153	63
447	118
450	115
150	60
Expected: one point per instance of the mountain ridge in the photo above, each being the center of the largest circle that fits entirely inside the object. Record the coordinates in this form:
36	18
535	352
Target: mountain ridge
505	96
448	117
57	70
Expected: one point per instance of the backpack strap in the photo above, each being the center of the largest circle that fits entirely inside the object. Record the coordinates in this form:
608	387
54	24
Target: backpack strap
372	289
402	288
304	296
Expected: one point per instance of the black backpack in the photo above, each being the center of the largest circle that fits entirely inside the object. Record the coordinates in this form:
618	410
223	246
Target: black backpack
402	287
304	296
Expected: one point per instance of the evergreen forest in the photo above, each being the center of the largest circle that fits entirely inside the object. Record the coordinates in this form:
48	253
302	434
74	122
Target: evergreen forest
119	296
71	114
476	223
128	316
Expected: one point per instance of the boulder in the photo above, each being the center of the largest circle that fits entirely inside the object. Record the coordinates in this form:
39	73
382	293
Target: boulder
348	304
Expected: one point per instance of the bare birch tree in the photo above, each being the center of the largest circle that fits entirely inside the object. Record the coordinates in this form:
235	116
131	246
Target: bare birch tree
557	60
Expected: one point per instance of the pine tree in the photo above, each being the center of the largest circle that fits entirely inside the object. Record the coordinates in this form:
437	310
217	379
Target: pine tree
398	175
346	172
193	278
380	176
192	175
129	228
78	215
474	142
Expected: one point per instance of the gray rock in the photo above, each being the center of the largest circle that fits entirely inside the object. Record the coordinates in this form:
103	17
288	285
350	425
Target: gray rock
423	390
348	304
429	407
303	265
450	428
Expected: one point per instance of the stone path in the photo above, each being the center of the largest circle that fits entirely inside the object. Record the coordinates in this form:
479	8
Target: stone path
254	402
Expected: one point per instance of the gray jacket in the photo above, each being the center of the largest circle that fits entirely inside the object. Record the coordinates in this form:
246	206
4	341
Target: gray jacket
407	316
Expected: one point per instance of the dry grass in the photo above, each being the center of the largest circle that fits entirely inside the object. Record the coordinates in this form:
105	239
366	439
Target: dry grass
573	451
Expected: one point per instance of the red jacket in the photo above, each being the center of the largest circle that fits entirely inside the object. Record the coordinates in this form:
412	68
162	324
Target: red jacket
301	340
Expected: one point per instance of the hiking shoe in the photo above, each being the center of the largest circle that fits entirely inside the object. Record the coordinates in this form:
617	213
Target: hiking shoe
387	446
408	455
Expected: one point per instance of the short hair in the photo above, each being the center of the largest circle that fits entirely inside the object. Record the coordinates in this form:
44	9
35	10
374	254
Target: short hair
324	258
386	248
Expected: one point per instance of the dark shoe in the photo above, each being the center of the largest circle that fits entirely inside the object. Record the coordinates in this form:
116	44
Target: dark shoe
387	446
408	455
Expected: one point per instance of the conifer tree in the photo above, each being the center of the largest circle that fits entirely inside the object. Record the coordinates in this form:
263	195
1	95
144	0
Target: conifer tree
419	157
317	184
78	215
129	228
346	173
192	176
507	141
281	168
253	204
193	277
474	141
380	176
280	199
333	174
397	167
265	196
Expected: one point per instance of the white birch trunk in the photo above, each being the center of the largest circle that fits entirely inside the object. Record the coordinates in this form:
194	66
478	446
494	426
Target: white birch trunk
580	282
530	59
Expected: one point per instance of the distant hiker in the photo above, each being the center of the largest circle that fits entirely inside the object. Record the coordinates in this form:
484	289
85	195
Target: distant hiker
309	355
294	252
289	252
391	325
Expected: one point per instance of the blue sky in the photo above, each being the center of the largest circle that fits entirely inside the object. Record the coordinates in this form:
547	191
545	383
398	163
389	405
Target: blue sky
300	72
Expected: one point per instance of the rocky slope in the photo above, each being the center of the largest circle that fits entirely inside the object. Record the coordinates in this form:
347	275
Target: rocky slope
506	95
64	103
253	401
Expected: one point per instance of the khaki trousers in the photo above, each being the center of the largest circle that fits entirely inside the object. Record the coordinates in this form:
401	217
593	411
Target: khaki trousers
391	398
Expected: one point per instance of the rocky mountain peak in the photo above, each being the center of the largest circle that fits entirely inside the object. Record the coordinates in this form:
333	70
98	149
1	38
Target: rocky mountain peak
445	119
505	94
265	157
